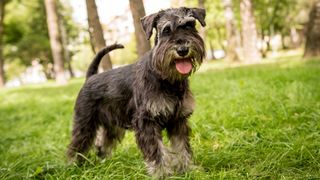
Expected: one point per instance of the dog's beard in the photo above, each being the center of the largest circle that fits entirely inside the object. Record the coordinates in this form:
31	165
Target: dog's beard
165	60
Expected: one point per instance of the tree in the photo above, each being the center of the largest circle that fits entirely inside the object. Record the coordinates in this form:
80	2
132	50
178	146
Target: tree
214	31
312	48
26	32
275	17
96	34
137	11
2	78
249	33
68	31
65	42
231	32
55	40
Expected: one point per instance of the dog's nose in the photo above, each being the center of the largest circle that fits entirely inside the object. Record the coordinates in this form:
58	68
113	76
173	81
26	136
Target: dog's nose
183	51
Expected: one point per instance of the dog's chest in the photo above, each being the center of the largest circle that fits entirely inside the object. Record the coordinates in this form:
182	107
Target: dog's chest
161	105
164	105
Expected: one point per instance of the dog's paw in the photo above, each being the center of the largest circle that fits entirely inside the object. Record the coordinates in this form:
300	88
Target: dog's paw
103	153
181	162
162	169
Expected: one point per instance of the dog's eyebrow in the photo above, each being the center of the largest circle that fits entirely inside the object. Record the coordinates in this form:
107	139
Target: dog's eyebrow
165	25
184	21
190	22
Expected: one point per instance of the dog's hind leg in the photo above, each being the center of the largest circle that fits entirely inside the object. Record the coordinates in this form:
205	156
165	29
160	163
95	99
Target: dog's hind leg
84	129
106	140
100	142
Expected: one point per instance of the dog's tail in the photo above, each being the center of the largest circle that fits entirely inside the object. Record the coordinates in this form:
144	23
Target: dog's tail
93	68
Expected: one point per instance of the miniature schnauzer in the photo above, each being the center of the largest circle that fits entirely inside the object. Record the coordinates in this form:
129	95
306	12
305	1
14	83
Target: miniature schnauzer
147	97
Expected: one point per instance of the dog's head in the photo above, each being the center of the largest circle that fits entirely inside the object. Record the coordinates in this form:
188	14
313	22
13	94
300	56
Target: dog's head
178	49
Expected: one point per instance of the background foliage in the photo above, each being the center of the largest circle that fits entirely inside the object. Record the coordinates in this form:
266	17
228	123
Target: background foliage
26	34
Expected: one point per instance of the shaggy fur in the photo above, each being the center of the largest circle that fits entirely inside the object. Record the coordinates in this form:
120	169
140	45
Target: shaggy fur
146	97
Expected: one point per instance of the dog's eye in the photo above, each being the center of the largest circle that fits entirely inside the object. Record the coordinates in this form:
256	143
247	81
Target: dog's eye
166	30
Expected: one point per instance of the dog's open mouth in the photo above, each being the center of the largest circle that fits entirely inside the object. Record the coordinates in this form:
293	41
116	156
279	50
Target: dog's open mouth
184	66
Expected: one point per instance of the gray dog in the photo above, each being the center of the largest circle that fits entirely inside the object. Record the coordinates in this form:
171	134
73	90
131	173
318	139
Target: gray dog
147	97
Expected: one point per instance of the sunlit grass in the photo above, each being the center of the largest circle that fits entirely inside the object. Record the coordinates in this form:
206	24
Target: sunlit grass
287	57
259	121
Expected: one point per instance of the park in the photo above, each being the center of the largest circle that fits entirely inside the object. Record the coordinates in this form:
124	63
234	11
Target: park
257	92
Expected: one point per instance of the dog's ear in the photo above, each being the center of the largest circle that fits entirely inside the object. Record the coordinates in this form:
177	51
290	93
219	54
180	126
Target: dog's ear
199	14
148	23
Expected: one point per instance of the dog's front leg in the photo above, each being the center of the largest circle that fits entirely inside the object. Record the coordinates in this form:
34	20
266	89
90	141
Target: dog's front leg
178	132
149	140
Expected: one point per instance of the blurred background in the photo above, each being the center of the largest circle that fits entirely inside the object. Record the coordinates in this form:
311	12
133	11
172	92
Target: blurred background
43	40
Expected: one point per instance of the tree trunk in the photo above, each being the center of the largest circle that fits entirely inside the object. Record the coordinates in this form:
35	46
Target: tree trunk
137	11
312	48
2	78
283	41
231	31
263	49
213	57
295	37
96	33
55	40
220	38
249	33
270	34
65	42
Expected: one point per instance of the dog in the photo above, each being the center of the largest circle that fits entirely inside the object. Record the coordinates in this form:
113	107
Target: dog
147	97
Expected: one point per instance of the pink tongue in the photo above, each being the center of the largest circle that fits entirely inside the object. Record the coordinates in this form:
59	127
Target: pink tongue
183	66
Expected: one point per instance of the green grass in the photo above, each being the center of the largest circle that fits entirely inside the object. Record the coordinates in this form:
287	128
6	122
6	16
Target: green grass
253	122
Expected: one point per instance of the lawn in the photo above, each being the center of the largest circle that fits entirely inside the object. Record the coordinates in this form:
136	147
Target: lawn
250	122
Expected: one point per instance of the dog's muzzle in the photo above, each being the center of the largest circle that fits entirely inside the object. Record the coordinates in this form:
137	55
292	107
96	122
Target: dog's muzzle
183	61
182	51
